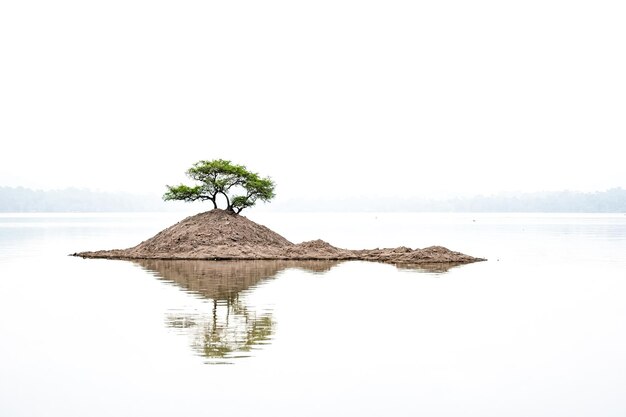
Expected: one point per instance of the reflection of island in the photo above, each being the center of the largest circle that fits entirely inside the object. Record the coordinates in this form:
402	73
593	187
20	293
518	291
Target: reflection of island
434	268
219	280
231	328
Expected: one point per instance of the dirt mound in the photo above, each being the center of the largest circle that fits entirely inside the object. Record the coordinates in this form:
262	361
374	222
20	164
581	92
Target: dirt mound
318	249
404	255
221	235
318	244
213	234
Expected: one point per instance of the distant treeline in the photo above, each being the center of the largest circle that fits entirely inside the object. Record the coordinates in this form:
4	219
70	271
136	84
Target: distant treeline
610	201
21	199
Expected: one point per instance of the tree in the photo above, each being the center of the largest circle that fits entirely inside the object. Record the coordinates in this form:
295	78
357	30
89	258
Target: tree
223	177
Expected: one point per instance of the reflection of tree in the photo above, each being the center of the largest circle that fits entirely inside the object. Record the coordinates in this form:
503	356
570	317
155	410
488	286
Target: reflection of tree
231	328
227	330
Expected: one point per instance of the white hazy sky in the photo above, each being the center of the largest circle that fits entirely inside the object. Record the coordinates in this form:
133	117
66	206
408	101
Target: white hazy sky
330	98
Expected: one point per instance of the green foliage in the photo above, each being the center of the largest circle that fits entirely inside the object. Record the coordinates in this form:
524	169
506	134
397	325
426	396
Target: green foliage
220	176
183	192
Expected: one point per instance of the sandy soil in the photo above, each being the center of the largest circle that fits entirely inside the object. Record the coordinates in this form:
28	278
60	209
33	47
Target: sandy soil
219	235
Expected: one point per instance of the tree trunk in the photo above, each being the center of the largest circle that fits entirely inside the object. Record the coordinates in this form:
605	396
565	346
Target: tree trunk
229	206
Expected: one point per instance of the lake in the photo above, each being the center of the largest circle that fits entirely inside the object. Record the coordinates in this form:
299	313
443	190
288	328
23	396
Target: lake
537	330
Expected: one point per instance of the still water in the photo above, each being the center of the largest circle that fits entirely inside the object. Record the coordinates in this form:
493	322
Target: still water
538	330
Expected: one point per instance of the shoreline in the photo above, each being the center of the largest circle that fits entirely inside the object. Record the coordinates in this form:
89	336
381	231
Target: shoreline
217	235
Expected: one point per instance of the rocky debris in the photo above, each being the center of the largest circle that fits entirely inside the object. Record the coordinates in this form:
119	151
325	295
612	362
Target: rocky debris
404	255
220	235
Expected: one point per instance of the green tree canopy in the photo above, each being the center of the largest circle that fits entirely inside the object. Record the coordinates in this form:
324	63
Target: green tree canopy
240	187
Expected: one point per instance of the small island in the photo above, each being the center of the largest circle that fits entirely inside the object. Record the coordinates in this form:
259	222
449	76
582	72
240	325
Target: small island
227	235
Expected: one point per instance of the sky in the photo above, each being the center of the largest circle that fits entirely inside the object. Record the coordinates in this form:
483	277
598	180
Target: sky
332	99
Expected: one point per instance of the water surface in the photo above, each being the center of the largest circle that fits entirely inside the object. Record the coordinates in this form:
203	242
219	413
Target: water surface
537	330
